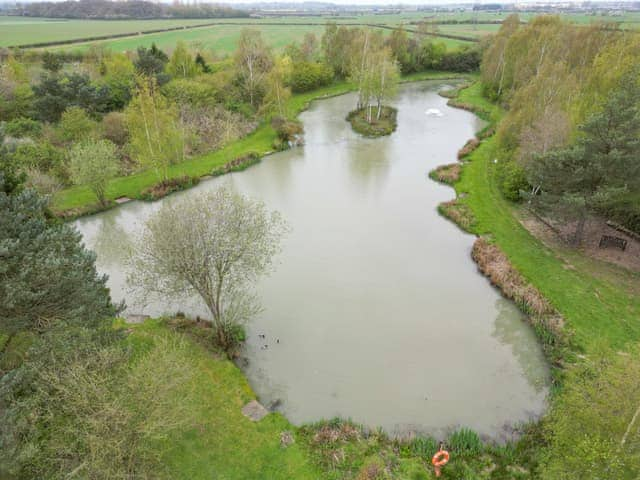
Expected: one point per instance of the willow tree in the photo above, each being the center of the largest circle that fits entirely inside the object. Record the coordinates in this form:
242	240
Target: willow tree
215	246
156	136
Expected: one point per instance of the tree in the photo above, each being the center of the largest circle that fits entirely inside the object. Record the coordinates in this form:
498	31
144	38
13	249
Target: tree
151	62
216	246
51	62
337	47
119	77
182	63
75	125
94	163
601	165
46	274
277	93
253	62
386	76
156	138
399	43
309	47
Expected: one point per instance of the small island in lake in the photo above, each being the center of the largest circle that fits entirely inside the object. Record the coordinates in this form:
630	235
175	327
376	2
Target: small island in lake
374	121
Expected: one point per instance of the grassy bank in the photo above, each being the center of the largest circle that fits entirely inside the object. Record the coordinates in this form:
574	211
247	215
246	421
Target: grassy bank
224	444
79	200
599	302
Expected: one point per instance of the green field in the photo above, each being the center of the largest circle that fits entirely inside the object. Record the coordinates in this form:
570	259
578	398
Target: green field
222	38
20	30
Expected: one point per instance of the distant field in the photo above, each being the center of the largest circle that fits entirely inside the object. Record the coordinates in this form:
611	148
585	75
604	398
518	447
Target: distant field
20	30
223	38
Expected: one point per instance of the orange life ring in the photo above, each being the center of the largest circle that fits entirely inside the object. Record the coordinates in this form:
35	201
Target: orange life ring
440	459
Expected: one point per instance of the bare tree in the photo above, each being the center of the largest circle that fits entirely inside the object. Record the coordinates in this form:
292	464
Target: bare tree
216	246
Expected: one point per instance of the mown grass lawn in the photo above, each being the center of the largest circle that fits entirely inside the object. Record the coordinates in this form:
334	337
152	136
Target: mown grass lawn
224	444
600	302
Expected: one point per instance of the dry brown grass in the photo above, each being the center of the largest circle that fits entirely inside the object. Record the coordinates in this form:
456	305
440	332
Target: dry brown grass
457	212
329	434
493	263
468	148
448	174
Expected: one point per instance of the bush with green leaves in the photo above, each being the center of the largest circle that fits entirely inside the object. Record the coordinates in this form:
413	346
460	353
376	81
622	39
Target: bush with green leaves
307	76
593	429
512	180
95	407
76	125
42	156
23	127
94	163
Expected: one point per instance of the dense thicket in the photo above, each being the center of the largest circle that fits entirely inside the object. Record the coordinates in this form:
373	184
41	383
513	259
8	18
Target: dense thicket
131	9
565	88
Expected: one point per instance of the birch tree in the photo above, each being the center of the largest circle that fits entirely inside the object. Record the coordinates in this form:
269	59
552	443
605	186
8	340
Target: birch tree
157	139
214	246
253	62
277	91
182	64
385	78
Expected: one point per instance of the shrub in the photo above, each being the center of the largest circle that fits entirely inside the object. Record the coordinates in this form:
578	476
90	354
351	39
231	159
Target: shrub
23	127
41	156
94	163
42	183
238	164
308	76
468	148
190	91
459	213
288	132
93	408
448	174
590	431
114	128
168	186
464	59
511	179
76	125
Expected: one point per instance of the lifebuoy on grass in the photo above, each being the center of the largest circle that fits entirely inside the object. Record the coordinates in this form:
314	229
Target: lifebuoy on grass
439	460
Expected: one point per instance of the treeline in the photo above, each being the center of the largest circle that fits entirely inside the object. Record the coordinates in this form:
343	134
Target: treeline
134	9
569	142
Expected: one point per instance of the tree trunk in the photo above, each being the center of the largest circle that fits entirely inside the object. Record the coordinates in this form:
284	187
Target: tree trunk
579	232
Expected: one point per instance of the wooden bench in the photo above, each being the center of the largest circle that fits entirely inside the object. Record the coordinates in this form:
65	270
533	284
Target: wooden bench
610	241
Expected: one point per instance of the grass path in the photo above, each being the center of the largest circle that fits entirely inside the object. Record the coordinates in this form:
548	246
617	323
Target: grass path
600	302
80	199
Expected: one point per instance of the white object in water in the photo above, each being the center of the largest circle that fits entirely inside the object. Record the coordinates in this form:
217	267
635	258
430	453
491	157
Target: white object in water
434	112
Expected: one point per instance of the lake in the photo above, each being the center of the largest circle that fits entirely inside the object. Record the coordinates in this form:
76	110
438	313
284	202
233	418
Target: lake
375	311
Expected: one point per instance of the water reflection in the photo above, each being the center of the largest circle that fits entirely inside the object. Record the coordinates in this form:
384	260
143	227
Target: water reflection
522	342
